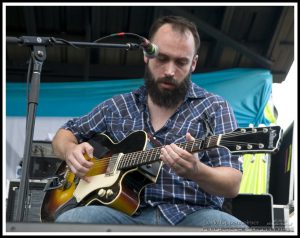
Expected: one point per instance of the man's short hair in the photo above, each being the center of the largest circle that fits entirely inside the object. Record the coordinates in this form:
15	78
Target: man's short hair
178	23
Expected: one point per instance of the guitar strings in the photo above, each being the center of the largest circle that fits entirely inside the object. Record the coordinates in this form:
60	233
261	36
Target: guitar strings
240	134
128	156
148	154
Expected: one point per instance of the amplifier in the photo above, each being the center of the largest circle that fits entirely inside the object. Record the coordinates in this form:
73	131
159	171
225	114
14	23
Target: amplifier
35	195
43	162
43	167
256	210
42	148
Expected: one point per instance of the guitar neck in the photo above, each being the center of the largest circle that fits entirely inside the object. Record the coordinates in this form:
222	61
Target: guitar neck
139	158
240	141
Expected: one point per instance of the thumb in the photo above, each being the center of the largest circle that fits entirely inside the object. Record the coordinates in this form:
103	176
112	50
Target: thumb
89	150
189	137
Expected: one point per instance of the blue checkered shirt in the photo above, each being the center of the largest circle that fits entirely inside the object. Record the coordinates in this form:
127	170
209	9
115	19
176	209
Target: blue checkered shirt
201	114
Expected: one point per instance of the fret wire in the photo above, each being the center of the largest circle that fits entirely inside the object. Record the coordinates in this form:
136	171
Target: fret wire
192	143
188	147
150	155
144	158
146	155
158	151
134	157
123	160
155	154
140	156
127	159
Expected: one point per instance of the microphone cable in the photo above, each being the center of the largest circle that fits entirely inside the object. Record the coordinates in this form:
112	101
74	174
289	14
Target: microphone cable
141	38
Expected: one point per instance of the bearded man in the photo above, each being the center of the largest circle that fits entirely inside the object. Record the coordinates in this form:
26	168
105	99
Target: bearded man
190	186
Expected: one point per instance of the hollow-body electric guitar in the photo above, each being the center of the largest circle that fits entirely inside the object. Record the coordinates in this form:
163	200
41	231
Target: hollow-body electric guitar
121	170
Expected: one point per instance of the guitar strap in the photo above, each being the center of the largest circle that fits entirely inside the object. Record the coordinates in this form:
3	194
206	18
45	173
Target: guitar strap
153	141
152	170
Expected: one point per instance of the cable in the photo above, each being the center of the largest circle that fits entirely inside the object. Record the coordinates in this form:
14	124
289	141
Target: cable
121	34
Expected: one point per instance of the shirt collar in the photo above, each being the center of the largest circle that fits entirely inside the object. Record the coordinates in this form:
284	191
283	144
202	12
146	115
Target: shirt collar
195	92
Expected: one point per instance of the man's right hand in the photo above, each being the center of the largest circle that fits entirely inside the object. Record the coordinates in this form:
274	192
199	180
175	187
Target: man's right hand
76	161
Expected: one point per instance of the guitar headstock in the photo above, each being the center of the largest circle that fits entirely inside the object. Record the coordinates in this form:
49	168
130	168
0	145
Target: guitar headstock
253	140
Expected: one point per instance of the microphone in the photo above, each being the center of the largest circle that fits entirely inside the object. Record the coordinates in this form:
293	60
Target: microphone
150	50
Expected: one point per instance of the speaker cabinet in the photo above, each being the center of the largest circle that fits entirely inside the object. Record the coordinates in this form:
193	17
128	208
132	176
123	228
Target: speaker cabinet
43	162
32	210
254	210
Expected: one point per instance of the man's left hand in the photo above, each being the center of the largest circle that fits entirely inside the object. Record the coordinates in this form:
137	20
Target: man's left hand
181	161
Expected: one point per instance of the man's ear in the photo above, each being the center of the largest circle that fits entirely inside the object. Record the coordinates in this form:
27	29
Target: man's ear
194	62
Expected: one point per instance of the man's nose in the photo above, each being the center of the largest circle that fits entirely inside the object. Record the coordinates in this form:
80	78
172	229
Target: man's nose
170	69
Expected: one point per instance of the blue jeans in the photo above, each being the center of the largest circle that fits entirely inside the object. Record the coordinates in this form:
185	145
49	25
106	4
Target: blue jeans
205	218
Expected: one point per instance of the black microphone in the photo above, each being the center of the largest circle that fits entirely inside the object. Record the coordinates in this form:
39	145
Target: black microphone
150	50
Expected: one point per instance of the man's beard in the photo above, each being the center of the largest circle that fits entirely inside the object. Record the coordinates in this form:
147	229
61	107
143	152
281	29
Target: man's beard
163	97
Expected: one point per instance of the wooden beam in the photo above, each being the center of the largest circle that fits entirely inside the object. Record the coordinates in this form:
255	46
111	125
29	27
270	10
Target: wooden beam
217	49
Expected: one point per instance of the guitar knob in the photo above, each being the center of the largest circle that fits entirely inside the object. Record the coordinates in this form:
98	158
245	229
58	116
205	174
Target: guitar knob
102	192
109	192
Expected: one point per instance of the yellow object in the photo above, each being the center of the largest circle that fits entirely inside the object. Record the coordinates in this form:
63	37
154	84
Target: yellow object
255	166
254	178
269	113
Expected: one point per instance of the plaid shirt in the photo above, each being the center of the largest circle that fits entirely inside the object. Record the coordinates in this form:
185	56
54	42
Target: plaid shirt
201	114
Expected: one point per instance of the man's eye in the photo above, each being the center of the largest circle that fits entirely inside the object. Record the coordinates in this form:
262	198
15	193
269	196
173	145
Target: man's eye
162	58
181	62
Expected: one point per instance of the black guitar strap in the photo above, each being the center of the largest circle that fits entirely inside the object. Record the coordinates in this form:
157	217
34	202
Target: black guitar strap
152	170
153	141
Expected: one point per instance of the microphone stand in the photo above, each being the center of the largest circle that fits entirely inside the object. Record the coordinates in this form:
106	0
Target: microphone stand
38	54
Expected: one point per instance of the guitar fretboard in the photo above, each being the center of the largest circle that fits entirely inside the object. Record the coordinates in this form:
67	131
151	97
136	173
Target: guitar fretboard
139	158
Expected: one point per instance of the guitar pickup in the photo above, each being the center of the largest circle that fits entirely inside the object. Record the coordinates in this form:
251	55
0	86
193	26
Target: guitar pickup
113	164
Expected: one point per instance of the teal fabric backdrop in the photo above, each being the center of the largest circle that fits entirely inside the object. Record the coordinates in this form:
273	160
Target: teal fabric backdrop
247	90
